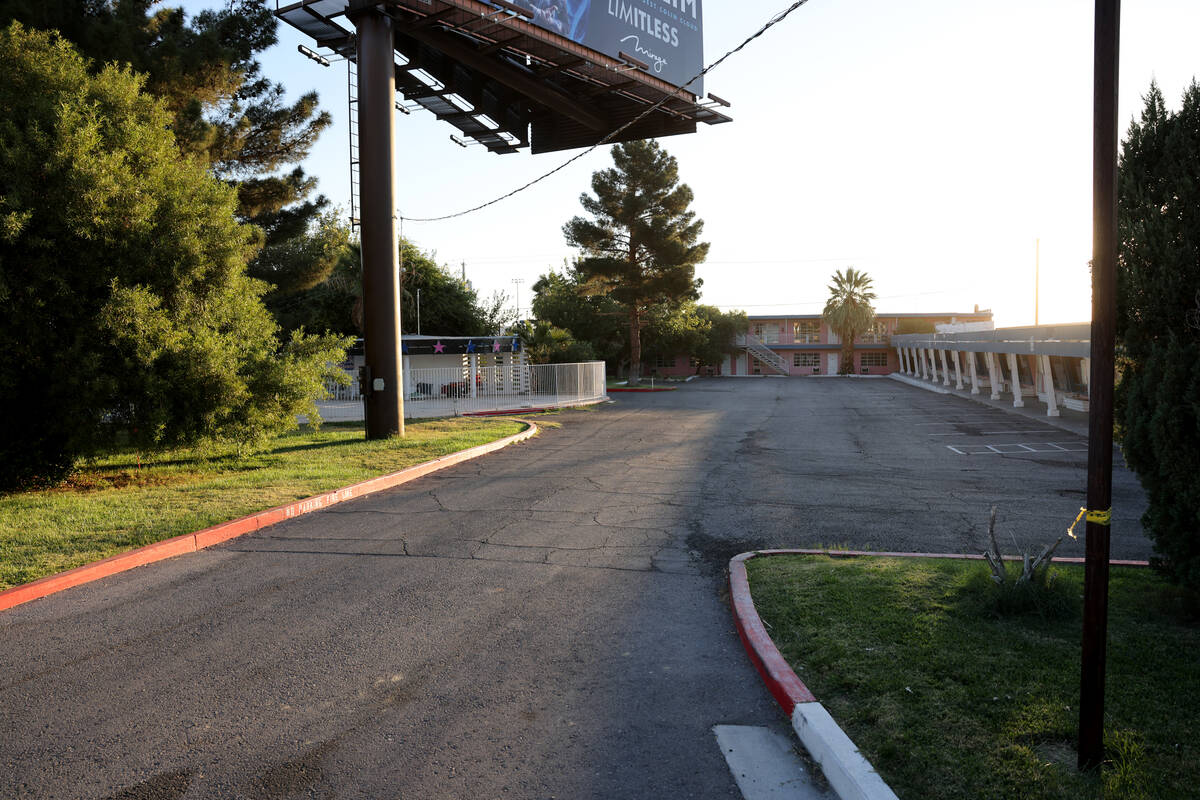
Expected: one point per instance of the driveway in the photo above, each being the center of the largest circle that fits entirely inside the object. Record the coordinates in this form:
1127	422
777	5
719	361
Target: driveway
548	621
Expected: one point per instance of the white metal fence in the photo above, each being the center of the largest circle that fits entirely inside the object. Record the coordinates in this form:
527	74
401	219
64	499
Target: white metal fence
453	391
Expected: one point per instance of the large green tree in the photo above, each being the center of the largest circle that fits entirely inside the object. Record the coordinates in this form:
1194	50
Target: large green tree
1158	283
559	298
223	111
849	312
449	306
640	245
125	308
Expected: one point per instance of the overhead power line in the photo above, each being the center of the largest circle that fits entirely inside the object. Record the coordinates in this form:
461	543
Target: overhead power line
775	20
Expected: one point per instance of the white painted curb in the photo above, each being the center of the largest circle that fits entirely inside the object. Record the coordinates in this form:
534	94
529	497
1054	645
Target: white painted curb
928	386
848	772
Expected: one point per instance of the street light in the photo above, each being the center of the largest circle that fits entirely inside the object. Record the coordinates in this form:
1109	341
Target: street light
517	282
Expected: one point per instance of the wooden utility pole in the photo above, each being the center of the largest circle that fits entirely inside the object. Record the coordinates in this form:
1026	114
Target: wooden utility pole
383	395
1100	417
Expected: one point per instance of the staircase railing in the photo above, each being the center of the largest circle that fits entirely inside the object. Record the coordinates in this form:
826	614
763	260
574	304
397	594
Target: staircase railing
766	355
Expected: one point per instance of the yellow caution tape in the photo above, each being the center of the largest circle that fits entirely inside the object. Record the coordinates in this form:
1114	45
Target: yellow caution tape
1098	517
1079	516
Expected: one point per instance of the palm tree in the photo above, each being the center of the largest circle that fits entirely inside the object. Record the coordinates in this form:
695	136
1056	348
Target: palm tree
849	312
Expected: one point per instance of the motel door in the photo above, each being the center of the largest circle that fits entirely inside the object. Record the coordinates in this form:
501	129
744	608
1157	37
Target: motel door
833	364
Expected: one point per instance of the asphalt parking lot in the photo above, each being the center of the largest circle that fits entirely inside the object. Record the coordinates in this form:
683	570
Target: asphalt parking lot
548	621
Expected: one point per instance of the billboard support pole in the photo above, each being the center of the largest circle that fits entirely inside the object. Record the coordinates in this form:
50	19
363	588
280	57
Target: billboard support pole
1100	418
384	395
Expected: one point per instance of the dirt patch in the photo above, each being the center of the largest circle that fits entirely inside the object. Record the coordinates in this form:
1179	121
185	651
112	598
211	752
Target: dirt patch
714	552
165	786
292	777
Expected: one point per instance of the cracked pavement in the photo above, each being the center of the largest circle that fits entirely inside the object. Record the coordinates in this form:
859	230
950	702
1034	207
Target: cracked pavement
547	621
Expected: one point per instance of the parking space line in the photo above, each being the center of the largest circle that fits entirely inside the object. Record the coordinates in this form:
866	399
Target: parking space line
964	449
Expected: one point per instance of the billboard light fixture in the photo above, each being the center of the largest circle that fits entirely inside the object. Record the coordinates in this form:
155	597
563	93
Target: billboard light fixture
458	141
512	8
633	62
403	109
718	100
309	53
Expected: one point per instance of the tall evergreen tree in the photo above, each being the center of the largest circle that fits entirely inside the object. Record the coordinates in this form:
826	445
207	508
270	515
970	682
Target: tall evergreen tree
849	312
223	110
641	246
1158	287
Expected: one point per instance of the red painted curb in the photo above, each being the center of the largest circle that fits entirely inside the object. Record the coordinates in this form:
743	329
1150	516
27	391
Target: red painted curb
207	537
783	683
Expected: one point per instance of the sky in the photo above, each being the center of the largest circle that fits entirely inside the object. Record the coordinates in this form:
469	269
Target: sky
941	146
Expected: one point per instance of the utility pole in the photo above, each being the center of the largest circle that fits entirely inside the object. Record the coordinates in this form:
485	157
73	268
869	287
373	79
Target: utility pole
383	396
1100	417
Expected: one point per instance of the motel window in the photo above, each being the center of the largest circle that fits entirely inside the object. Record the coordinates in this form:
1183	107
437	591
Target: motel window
877	333
806	359
664	362
874	359
806	331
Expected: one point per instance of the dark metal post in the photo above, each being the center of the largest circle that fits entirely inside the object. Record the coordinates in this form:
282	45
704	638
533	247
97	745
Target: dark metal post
380	257
1100	419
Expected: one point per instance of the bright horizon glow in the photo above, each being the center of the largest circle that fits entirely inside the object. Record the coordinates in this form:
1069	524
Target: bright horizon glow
928	144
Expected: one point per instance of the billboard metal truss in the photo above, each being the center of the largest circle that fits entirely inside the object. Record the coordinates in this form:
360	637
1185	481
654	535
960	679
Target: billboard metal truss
505	82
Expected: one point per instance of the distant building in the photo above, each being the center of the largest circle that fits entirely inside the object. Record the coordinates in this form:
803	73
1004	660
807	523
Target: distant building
803	344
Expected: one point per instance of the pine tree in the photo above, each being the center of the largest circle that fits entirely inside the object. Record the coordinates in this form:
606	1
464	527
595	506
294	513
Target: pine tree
640	248
1158	285
224	112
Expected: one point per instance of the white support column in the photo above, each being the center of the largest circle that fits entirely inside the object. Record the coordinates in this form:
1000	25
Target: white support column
958	384
974	373
1016	381
994	375
900	356
933	376
945	369
914	356
1048	383
474	372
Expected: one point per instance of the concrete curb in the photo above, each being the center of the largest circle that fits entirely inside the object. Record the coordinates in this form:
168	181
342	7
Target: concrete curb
657	389
199	540
849	774
516	412
920	384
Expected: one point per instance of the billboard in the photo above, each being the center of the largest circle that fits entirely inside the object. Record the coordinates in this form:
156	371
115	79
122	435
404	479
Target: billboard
667	35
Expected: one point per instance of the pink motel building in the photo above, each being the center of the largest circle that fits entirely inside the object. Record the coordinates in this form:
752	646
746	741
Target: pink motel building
802	344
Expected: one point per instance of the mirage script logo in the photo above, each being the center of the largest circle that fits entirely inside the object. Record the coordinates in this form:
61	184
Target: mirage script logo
659	61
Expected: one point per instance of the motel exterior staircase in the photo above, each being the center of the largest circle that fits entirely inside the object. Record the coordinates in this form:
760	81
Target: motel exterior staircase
755	347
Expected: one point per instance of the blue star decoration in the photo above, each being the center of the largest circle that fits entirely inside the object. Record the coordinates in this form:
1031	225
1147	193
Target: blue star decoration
404	348
470	346
516	345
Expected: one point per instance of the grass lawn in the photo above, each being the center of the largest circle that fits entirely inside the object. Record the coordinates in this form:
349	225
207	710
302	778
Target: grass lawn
954	688
114	504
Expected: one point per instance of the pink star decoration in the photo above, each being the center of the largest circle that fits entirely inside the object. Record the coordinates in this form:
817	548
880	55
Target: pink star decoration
439	348
495	347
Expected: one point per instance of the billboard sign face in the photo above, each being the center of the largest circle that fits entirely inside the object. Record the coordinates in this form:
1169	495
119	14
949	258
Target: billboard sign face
667	35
